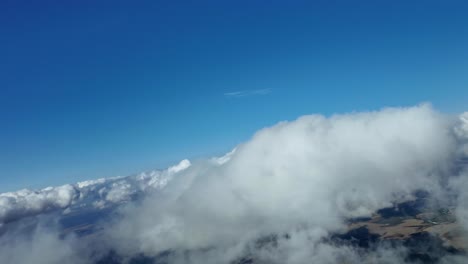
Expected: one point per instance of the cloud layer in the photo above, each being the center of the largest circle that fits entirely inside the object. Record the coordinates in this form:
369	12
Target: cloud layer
312	173
297	181
99	193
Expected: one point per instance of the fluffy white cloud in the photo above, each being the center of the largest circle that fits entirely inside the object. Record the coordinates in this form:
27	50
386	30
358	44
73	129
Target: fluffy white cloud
461	130
462	126
309	174
25	202
96	193
302	178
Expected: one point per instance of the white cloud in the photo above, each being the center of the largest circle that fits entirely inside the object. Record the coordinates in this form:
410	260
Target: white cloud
25	202
225	158
245	93
461	130
98	193
301	177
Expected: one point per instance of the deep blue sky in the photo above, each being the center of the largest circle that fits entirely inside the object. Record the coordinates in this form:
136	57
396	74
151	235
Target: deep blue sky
104	88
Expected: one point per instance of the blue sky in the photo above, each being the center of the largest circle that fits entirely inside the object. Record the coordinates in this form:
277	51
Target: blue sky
104	88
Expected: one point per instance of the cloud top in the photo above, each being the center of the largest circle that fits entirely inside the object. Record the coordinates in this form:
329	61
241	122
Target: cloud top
98	194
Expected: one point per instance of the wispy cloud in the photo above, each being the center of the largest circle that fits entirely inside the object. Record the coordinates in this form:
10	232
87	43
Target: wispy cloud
246	93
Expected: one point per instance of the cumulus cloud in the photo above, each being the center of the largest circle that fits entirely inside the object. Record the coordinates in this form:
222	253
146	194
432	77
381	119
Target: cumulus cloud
98	193
310	174
278	197
461	130
14	205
